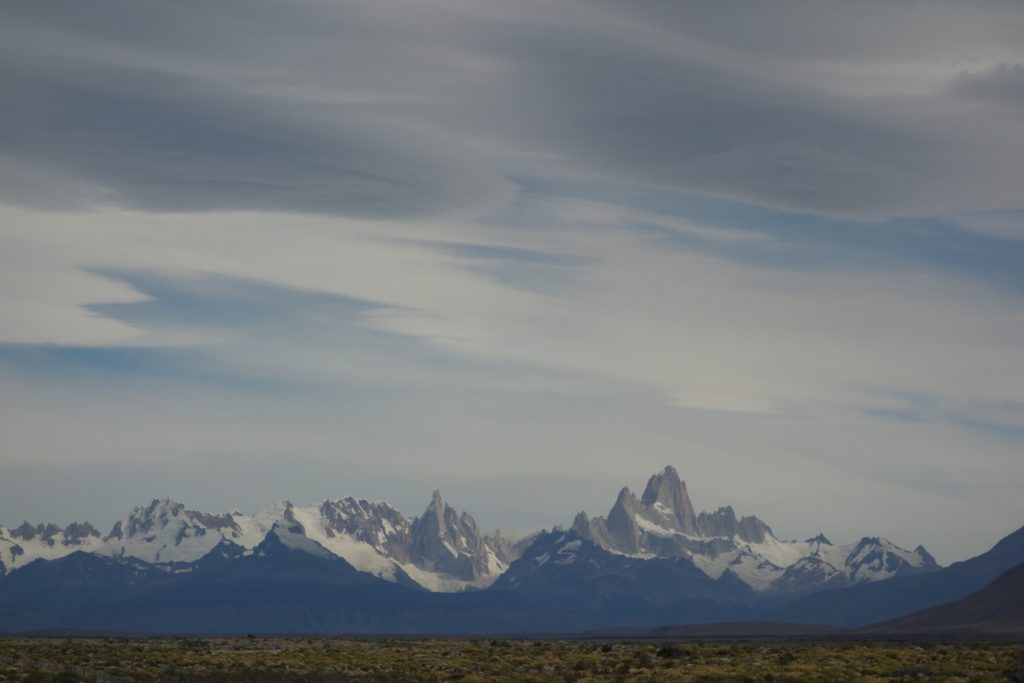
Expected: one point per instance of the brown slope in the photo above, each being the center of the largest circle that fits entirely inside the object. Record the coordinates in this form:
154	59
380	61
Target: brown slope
997	608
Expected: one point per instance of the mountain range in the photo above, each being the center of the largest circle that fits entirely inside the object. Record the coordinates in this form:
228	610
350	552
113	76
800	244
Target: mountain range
662	523
869	603
358	566
444	550
441	550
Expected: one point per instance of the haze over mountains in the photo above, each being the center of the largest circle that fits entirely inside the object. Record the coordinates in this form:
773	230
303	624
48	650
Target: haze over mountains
443	549
353	565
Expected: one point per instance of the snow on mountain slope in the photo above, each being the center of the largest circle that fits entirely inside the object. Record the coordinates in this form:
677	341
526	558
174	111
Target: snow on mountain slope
165	532
26	543
363	545
662	523
878	558
293	537
442	550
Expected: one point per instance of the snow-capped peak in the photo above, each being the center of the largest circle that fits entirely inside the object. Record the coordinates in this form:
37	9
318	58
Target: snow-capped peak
441	550
166	532
29	542
444	549
662	524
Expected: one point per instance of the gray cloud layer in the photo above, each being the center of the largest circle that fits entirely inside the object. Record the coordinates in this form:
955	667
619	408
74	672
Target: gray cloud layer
402	108
514	256
165	142
1003	84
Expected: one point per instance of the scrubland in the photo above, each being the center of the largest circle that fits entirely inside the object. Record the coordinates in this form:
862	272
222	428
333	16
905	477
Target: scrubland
211	660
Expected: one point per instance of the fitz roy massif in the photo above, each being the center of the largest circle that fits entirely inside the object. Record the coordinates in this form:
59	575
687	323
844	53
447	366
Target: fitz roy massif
349	565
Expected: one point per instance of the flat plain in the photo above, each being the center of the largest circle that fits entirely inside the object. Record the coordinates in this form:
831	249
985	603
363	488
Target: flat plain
257	659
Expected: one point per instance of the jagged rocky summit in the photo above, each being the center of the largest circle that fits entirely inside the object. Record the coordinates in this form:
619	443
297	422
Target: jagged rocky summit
441	550
662	524
444	550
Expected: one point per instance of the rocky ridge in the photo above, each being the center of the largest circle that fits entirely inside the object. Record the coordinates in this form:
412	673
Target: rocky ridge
441	550
444	550
662	523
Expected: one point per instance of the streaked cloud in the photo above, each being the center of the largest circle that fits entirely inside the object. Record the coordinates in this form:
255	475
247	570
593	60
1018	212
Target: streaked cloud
567	238
414	108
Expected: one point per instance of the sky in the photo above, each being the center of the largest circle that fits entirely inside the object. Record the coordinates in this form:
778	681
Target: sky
523	252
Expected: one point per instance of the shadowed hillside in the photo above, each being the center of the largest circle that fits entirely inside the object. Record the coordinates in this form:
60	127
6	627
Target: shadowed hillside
996	608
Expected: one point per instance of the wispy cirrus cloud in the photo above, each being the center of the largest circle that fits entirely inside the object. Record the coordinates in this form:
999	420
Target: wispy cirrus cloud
582	290
521	240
